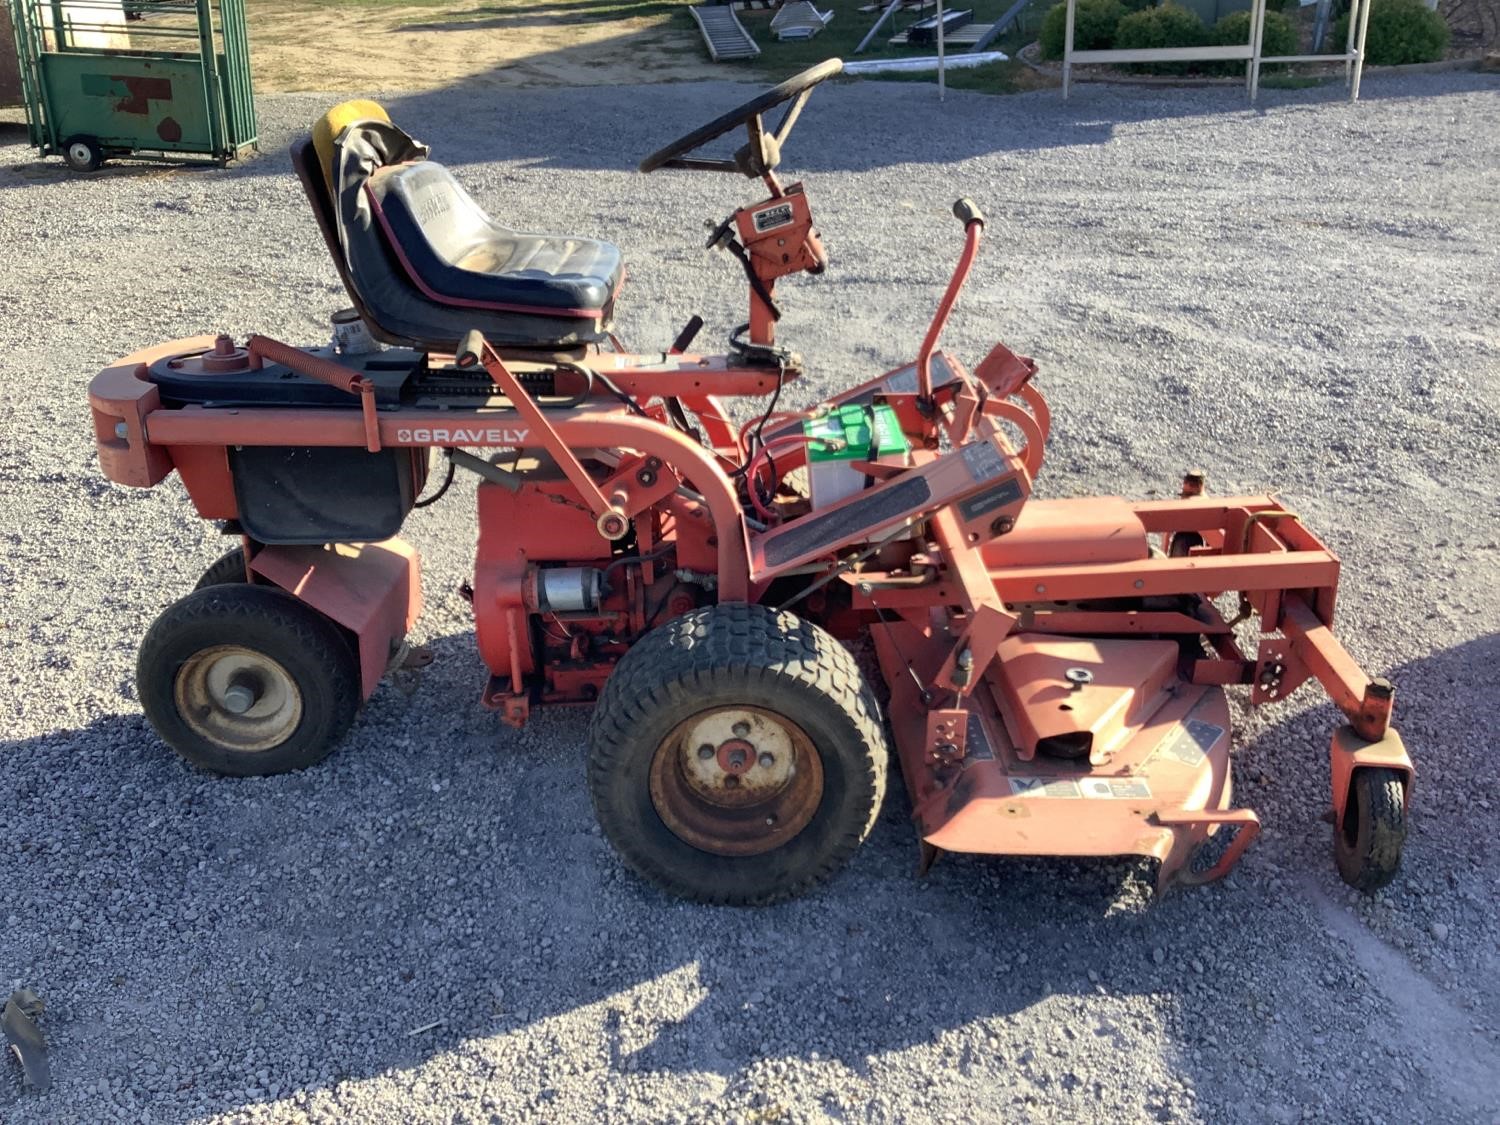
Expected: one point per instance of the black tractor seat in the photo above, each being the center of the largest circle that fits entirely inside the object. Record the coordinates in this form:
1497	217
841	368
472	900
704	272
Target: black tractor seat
424	264
456	254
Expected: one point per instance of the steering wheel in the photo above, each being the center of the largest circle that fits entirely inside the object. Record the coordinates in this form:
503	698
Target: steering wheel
763	152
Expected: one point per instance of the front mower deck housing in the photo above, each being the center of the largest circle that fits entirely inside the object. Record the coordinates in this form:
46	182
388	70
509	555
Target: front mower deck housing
1055	672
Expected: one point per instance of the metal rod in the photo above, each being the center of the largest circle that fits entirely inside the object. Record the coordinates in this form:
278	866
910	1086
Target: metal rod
1068	50
942	70
1359	61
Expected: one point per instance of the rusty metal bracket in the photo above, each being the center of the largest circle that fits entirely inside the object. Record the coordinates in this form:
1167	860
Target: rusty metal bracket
947	735
1279	671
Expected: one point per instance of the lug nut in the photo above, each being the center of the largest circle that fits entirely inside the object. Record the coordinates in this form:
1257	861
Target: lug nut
768	760
705	751
741	729
732	782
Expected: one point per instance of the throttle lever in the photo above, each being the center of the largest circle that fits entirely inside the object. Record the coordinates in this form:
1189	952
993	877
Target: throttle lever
967	211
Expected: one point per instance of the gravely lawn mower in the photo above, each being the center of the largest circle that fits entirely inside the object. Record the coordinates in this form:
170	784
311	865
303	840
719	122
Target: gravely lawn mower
1055	670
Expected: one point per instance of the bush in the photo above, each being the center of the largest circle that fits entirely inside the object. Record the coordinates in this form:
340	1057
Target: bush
1279	38
1400	31
1094	23
1167	25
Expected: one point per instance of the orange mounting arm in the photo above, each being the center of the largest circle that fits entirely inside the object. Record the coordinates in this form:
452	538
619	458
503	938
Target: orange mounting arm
1367	703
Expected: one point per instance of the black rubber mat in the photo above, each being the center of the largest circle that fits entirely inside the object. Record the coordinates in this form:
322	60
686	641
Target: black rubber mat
818	533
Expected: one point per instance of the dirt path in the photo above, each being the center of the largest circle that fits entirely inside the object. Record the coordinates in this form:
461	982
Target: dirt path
375	47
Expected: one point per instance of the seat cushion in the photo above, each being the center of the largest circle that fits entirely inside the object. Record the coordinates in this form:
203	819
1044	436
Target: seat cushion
396	310
457	254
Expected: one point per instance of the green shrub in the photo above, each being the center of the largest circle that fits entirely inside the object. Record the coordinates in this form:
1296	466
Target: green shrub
1094	23
1279	38
1400	31
1166	25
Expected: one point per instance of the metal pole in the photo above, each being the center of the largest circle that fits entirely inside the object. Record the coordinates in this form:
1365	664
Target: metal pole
942	66
1068	50
1257	29
885	15
1349	42
1359	63
1320	24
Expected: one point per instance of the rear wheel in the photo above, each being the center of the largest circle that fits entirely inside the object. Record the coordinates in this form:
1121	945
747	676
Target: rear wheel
228	570
1367	845
737	756
247	681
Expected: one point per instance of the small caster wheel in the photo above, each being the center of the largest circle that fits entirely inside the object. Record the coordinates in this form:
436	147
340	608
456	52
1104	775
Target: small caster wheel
82	153
1367	845
247	681
227	571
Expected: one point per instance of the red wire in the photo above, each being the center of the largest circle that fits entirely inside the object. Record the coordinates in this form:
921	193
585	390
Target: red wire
761	455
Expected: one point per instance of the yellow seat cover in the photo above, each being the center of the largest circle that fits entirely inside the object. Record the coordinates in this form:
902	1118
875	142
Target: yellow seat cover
334	122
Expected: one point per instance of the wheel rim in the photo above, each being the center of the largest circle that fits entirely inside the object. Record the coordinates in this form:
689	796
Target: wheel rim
238	698
736	781
80	153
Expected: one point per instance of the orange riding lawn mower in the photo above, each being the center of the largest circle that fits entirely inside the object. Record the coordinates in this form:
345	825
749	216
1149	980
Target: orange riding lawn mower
1054	670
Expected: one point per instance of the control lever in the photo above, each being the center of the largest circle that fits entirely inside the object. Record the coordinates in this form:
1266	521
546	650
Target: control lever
686	337
968	213
470	349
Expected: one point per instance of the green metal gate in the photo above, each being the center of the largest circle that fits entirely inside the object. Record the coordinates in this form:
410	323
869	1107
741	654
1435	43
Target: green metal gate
149	78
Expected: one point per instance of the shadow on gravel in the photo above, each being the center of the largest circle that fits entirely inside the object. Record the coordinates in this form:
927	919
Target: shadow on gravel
213	943
849	127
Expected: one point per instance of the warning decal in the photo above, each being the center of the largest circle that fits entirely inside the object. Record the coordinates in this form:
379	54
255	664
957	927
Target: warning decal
1192	741
1044	787
976	741
1116	788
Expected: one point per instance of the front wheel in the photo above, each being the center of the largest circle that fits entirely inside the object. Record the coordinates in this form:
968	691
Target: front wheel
1367	845
737	756
247	681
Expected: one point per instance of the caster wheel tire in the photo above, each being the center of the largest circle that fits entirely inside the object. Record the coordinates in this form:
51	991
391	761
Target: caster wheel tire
227	571
1367	846
737	756
247	681
82	154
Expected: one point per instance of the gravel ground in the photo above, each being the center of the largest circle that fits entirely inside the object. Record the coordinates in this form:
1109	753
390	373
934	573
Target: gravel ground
1298	296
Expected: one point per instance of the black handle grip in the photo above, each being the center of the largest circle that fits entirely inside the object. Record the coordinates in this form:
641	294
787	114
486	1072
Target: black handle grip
470	348
967	211
686	337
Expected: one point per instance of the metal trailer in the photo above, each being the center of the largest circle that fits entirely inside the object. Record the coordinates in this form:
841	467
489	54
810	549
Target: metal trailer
88	98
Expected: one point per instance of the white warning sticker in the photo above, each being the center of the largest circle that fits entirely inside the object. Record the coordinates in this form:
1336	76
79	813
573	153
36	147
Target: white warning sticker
1044	787
1116	788
1191	742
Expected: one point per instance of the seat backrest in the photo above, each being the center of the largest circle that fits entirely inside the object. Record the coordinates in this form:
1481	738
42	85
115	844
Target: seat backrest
452	224
311	170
